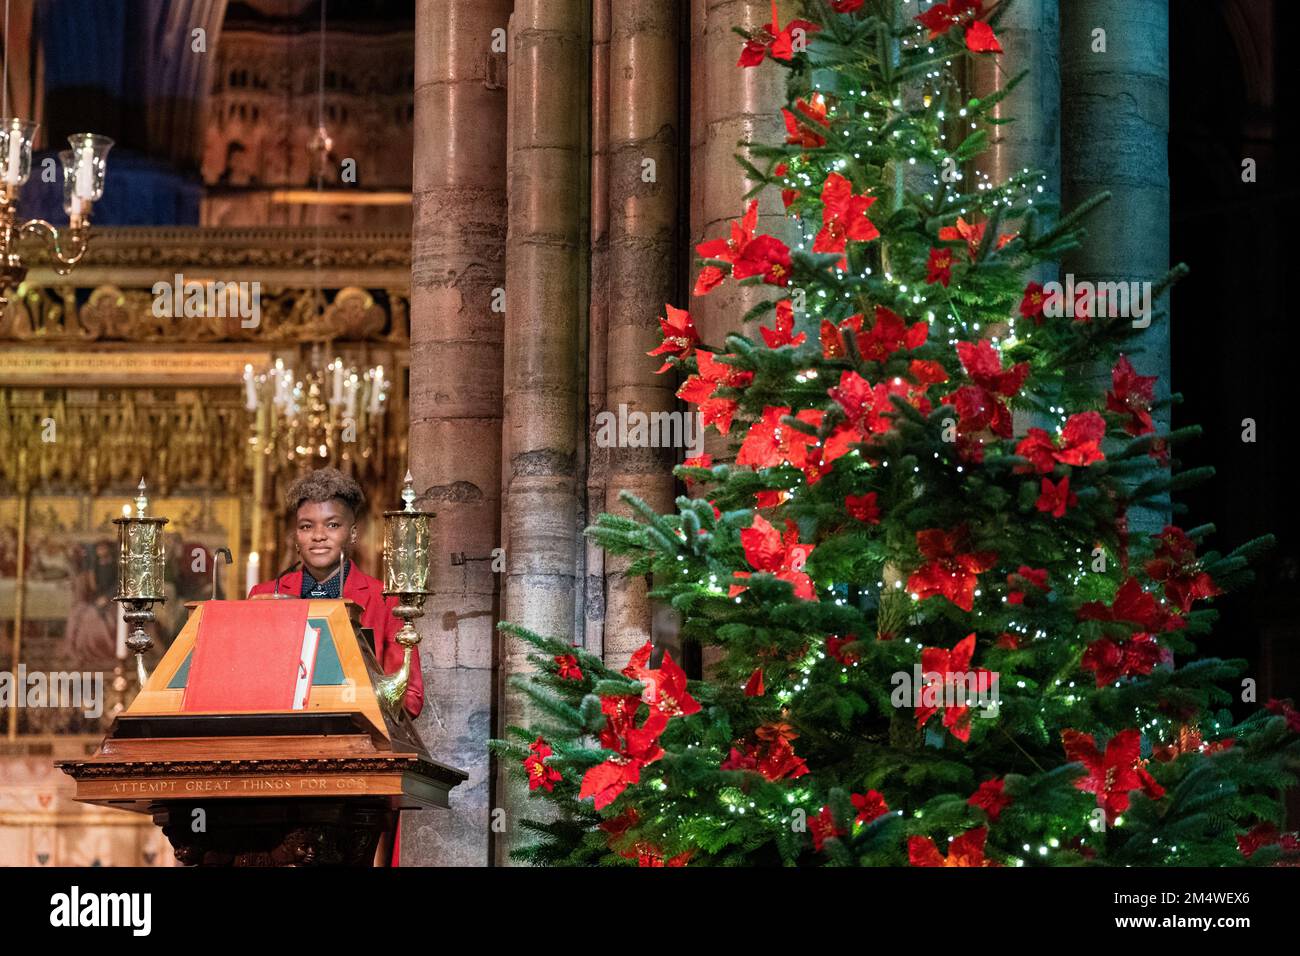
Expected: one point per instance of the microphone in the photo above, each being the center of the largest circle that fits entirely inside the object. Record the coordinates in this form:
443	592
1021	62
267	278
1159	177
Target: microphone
282	574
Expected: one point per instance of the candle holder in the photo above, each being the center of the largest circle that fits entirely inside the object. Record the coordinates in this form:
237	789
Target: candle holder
83	185
139	575
406	575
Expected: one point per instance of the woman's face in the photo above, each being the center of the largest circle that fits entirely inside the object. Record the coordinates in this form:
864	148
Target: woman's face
323	529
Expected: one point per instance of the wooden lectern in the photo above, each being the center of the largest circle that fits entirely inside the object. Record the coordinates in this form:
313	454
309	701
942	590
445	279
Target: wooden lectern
260	740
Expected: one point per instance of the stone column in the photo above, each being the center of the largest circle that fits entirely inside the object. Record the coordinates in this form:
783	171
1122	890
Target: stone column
642	195
597	323
547	180
457	276
1029	33
1114	136
1030	36
729	104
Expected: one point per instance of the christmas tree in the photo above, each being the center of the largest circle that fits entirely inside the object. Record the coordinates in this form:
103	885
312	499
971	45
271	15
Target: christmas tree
938	640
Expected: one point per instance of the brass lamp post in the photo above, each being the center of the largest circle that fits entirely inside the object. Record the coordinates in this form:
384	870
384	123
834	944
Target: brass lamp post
406	575
139	575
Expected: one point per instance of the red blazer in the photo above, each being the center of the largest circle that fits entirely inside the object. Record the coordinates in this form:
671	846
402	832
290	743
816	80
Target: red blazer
376	614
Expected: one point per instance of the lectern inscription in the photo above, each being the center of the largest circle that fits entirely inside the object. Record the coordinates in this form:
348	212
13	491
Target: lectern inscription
269	784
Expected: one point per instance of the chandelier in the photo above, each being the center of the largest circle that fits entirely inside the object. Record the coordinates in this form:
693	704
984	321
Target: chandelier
83	185
331	415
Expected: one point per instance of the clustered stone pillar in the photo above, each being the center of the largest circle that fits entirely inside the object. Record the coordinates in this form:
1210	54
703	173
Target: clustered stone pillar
1115	136
1029	35
457	276
642	196
546	177
593	637
729	104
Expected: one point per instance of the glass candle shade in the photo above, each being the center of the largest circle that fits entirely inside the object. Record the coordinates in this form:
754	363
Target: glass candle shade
406	547
86	169
16	139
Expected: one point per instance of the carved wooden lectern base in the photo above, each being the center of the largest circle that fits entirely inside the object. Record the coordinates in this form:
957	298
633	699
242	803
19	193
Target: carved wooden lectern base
320	784
275	832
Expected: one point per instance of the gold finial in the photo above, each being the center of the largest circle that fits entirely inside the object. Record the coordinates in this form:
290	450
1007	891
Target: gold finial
408	492
141	500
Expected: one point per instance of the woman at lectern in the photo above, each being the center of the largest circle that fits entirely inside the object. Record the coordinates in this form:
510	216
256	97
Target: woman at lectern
324	506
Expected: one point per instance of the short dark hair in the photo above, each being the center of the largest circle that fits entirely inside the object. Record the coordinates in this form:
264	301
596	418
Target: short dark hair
324	484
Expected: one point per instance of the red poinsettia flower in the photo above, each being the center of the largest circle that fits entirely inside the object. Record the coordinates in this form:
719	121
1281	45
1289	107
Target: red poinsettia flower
1285	709
726	250
1175	565
990	798
1134	605
832	335
835	649
1081	439
965	850
822	828
797	122
772	754
747	254
870	806
844	217
699	389
539	774
1111	660
950	571
766	256
1080	444
1008	641
634	748
889	334
846	6
980	38
939	267
569	669
980	405
1055	498
1189	741
769	442
863	507
665	685
1266	834
953	670
1025	578
1115	775
972	234
699	461
1131	395
653	856
773	40
679	336
780	555
783	334
1031	305
942	17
